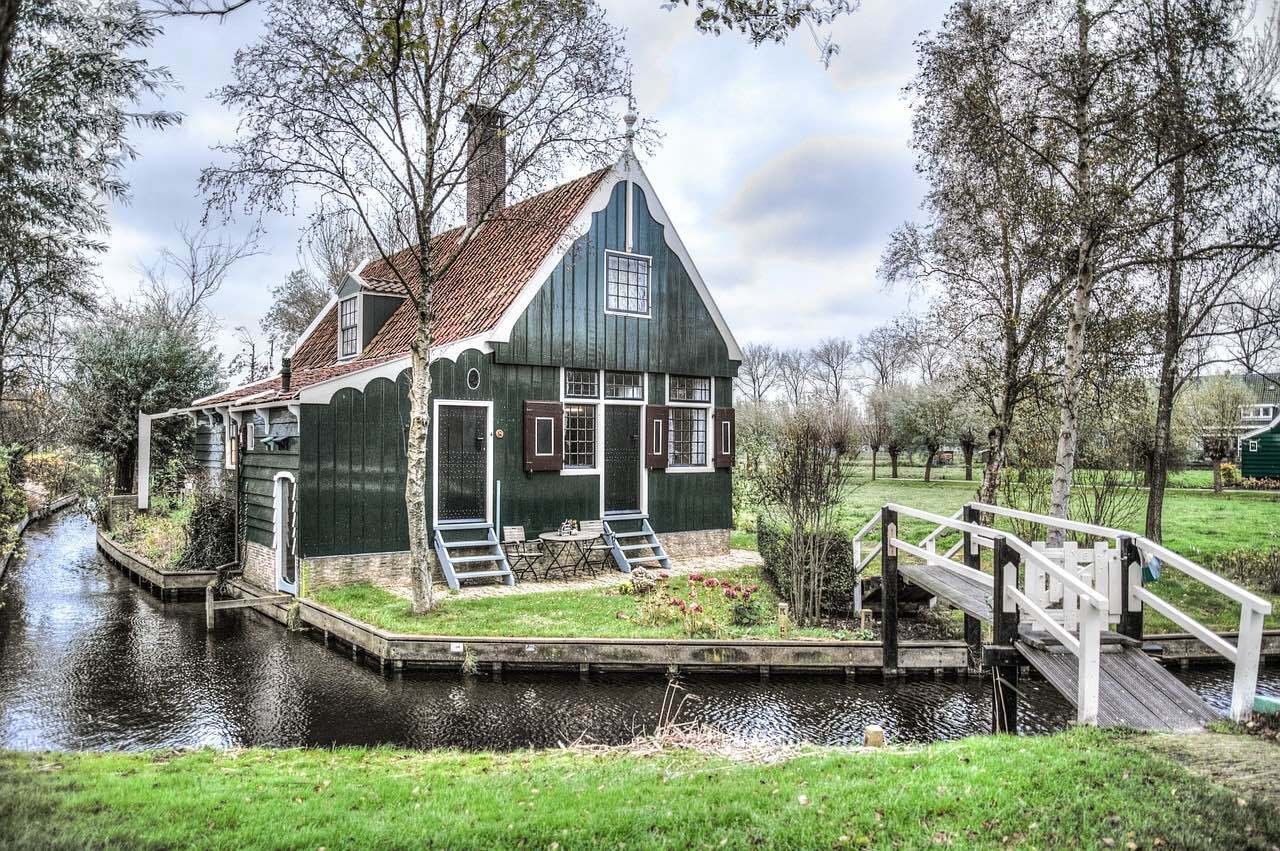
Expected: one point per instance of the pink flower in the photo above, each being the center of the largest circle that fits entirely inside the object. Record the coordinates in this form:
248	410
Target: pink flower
695	577
712	582
662	574
731	594
697	607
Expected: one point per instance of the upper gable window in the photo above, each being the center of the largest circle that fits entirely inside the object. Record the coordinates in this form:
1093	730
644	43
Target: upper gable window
689	388
627	284
348	328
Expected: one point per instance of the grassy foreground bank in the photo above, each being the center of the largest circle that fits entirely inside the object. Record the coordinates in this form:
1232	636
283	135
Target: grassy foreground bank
1082	788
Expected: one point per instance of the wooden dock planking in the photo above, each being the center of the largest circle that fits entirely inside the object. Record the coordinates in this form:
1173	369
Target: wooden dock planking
1134	689
971	597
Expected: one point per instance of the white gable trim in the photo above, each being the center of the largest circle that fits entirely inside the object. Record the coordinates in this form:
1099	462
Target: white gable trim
501	331
1262	429
322	392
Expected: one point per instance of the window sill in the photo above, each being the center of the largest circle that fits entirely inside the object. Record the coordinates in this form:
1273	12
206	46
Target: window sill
580	471
706	469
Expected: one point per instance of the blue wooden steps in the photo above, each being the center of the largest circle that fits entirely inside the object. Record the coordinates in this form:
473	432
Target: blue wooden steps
460	545
634	543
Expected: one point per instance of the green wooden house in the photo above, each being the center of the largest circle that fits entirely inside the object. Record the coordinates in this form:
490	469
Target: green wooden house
1260	444
581	370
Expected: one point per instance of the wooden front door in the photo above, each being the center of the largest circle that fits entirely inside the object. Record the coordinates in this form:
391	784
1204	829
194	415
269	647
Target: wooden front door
461	466
621	458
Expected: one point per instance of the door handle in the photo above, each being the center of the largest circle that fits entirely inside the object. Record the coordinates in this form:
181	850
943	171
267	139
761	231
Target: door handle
479	439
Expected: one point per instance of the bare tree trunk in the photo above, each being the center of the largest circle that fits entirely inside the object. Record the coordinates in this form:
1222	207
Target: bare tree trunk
1172	342
893	463
997	441
1217	475
415	496
125	461
967	449
928	465
1073	359
874	453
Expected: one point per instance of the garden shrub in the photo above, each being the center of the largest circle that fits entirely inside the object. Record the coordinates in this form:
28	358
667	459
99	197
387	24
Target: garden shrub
210	531
841	575
62	472
13	500
1258	569
1256	484
1230	474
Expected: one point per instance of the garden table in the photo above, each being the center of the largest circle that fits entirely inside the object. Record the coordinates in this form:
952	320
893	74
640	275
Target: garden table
567	552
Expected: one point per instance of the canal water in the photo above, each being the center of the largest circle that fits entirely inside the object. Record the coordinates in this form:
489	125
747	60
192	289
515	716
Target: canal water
90	661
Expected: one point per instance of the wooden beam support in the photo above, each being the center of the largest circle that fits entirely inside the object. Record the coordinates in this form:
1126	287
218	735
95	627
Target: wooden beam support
889	591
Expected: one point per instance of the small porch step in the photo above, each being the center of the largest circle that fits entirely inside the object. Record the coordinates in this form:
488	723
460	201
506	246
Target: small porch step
496	555
622	553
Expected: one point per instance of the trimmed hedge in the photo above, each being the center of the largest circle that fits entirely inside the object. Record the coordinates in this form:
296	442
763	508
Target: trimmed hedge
841	580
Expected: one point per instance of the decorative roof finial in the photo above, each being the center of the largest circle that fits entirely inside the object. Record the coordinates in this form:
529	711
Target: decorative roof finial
630	119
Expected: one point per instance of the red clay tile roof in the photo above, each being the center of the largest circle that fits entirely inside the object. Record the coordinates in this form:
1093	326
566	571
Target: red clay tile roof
488	274
479	286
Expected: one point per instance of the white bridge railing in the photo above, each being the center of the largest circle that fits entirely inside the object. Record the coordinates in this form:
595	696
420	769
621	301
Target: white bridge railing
1246	653
1008	599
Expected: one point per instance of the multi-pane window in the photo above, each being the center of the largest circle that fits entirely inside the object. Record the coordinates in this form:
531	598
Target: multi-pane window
686	388
581	384
627	281
623	385
579	436
688	441
348	328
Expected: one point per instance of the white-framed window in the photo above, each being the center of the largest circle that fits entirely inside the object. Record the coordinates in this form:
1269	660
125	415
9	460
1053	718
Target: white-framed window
579	436
689	400
581	384
349	327
1253	446
626	283
624	385
688	437
689	388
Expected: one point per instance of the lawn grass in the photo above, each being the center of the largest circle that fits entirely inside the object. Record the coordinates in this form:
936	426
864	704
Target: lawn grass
1198	525
1081	788
593	612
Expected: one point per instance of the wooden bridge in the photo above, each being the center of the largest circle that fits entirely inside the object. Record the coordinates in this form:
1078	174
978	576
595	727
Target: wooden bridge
1073	612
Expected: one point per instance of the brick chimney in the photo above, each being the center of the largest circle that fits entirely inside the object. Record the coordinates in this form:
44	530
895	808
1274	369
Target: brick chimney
286	373
486	162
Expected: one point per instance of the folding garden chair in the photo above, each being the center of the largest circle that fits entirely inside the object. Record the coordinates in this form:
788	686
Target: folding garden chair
523	555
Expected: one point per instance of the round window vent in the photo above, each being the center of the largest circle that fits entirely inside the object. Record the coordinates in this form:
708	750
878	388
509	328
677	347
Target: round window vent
473	378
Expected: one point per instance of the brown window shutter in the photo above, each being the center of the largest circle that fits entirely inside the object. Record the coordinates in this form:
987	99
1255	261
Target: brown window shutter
543	435
726	437
655	437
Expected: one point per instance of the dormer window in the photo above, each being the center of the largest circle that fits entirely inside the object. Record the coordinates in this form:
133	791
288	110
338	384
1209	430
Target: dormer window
348	327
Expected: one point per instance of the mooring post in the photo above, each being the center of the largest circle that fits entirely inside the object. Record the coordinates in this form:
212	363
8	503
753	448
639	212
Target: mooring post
208	606
973	559
889	591
1130	578
1004	629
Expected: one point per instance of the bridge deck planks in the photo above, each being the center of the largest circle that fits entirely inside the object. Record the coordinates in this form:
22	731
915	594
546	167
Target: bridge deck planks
1134	689
971	597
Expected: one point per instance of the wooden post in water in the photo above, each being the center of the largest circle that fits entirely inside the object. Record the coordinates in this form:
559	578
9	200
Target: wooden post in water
1130	578
972	558
208	606
1004	628
889	591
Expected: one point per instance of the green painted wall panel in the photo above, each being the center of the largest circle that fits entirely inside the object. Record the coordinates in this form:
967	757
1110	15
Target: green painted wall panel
258	469
1264	462
565	324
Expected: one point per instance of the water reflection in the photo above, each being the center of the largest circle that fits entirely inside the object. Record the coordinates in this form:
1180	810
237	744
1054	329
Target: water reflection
87	660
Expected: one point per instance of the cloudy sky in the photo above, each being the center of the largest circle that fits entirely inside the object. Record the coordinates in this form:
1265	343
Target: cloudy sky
783	177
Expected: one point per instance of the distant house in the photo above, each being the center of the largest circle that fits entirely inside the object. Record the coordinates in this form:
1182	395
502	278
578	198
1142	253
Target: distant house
581	370
1260	442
